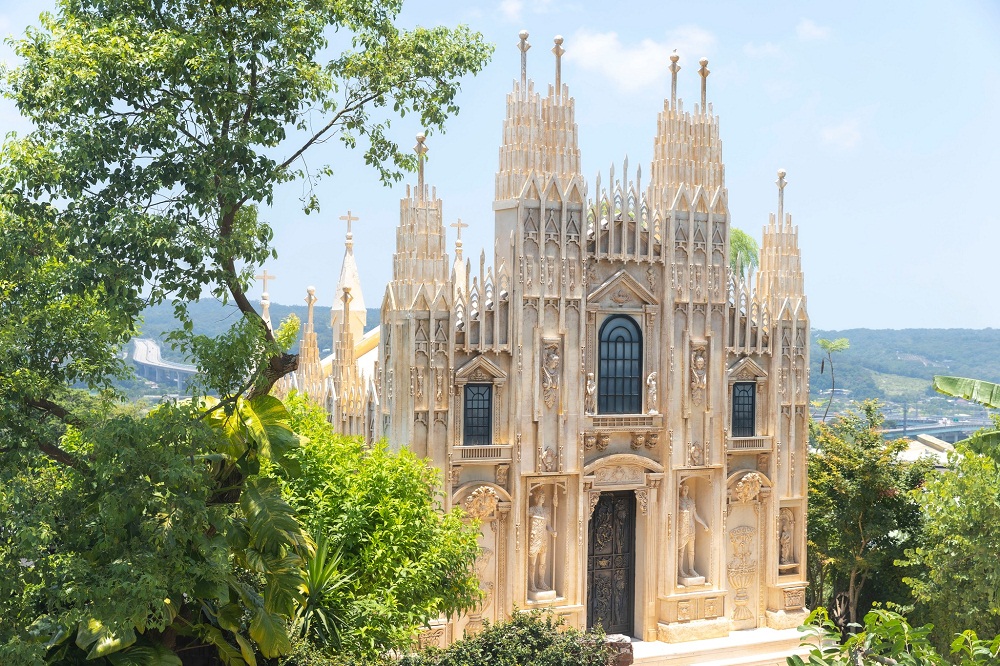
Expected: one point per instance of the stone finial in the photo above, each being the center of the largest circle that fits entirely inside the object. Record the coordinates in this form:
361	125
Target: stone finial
704	71
523	46
310	302
674	68
350	236
420	149
265	299
559	51
781	182
459	225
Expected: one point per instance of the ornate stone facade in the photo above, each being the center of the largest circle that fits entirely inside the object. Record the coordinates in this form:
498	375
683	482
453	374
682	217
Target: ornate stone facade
606	363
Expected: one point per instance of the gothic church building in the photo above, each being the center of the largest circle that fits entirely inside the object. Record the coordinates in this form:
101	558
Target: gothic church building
627	418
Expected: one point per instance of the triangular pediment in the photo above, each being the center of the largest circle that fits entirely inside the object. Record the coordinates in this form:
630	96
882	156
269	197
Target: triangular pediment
746	369
621	288
480	369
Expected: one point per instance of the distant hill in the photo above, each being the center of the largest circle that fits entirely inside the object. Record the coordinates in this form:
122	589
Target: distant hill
892	365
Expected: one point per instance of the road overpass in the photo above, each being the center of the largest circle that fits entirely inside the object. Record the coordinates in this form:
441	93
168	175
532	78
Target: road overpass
150	365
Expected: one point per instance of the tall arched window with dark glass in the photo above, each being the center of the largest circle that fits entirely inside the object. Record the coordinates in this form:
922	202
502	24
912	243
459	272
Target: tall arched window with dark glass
744	409
619	367
478	415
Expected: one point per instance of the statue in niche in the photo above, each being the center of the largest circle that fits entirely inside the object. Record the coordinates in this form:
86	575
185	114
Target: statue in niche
698	376
590	403
539	530
550	374
548	459
785	545
651	393
687	518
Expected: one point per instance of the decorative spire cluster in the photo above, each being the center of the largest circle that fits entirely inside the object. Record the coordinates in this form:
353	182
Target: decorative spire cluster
350	281
687	149
539	134
780	274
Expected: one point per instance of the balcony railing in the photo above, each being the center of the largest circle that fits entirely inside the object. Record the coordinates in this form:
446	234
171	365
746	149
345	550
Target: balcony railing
627	422
488	453
749	443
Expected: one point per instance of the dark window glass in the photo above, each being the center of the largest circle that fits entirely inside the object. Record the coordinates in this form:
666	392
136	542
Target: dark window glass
619	367
744	409
478	414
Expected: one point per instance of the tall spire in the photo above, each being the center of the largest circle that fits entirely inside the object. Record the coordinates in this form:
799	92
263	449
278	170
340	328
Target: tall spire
523	46
780	274
350	279
674	68
704	72
559	51
420	149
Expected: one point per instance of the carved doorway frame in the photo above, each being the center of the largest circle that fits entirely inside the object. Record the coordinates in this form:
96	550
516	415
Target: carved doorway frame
642	476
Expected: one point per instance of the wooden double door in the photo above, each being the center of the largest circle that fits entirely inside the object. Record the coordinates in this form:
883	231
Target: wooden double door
611	563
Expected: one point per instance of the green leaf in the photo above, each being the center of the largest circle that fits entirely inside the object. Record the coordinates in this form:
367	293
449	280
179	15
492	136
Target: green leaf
269	632
976	390
145	655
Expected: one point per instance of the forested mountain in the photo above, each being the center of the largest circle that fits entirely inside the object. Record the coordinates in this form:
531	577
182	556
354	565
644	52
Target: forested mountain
893	365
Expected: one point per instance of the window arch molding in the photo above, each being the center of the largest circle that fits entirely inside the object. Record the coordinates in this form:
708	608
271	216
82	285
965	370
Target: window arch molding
619	366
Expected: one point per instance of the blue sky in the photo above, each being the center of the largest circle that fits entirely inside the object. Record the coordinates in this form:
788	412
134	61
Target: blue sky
884	114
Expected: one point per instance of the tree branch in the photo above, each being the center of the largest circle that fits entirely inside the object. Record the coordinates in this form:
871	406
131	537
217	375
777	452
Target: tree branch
326	128
54	409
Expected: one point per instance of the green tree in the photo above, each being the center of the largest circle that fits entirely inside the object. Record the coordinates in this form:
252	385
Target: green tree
888	639
744	253
955	562
398	559
862	516
831	347
158	130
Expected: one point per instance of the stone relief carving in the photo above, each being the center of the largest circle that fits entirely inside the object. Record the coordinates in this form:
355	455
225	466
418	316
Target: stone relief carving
748	488
548	459
540	533
651	278
652	440
420	383
550	374
589	441
638	440
795	598
621	296
430	637
603	441
742	570
642	498
439	388
696	454
651	393
612	475
590	402
687	519
711	608
501	474
481	502
698	375
786	531
683	611
595	497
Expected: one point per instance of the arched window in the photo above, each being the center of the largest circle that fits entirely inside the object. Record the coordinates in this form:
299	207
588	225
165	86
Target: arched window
619	367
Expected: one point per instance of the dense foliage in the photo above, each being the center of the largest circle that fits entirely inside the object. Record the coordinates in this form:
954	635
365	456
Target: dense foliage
404	561
158	128
888	639
862	515
527	638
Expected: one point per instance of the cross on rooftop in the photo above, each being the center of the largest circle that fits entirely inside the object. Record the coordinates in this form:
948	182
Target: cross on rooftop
264	277
349	218
459	225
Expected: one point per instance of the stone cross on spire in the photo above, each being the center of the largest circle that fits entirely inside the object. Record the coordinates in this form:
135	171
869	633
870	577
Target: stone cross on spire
350	236
264	277
674	68
781	182
265	299
459	225
523	45
704	84
559	51
420	149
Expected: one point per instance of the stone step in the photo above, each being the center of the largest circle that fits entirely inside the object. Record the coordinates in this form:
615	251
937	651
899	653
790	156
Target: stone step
753	647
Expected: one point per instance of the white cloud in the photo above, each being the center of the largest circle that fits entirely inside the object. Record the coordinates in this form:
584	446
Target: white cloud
843	136
809	31
633	66
511	9
691	42
765	50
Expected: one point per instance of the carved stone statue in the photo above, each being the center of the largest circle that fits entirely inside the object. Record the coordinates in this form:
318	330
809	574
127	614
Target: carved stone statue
548	460
651	393
590	404
696	455
539	530
687	517
698	376
550	374
785	545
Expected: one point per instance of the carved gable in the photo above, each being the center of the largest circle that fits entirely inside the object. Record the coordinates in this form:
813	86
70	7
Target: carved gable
480	369
620	290
746	370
